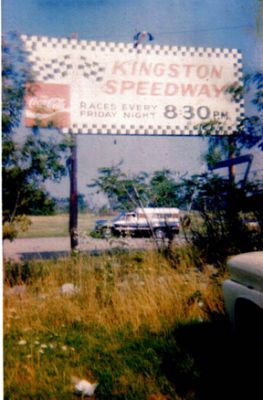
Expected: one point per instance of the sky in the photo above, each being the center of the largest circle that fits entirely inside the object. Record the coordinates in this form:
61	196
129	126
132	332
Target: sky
205	23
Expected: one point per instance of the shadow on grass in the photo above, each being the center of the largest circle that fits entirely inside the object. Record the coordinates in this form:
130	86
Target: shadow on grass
26	256
43	255
210	362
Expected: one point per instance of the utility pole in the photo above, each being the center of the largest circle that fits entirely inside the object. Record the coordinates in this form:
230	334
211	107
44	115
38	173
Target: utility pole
231	156
73	206
73	199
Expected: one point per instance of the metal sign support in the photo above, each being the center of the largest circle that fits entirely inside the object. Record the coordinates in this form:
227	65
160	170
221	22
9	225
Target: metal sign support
248	158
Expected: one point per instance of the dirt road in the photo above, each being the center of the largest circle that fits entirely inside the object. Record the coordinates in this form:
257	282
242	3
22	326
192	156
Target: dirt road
22	249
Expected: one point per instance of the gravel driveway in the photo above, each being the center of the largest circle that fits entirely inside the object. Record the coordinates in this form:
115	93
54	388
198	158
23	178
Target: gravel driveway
21	249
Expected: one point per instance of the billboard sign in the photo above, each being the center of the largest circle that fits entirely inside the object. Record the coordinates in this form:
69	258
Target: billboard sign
114	88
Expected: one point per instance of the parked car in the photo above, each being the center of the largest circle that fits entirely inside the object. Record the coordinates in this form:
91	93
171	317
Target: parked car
149	221
243	294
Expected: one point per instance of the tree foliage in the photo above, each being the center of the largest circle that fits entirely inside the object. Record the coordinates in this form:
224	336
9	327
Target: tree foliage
250	129
126	193
123	192
226	205
15	75
225	210
26	167
62	204
163	190
248	133
26	164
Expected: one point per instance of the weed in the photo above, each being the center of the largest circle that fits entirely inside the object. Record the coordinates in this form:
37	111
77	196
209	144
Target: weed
26	272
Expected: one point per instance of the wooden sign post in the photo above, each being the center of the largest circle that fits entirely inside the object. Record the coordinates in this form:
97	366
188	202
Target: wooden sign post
73	206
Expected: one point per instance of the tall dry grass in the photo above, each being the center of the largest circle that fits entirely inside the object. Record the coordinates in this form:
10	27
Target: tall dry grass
50	336
114	291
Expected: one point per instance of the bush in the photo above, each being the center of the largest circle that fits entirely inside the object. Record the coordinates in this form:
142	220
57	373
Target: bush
17	273
224	230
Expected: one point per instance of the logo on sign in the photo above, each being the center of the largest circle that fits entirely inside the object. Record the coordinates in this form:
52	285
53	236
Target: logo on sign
48	105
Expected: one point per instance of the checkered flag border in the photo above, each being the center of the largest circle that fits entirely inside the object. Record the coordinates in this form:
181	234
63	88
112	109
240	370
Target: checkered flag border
90	69
150	130
57	69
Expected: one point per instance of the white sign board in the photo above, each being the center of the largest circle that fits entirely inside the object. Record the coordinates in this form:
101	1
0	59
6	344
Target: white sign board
114	88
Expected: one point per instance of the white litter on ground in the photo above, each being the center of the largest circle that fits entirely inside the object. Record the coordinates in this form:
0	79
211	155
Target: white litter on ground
85	388
69	288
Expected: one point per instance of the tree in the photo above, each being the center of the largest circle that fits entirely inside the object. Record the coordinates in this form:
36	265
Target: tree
224	208
123	192
142	190
163	191
82	203
225	204
28	164
15	75
248	133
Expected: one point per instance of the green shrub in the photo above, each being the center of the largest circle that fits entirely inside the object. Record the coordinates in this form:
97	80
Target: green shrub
26	272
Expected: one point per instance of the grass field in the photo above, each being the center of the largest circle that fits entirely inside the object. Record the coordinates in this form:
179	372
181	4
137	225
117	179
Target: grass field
117	329
142	325
56	225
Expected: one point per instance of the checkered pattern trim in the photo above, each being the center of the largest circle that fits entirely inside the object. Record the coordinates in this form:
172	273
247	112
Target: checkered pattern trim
91	70
53	69
104	129
56	69
61	68
33	42
240	109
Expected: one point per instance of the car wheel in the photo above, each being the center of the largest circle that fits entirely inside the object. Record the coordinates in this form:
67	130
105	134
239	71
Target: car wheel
106	232
160	234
